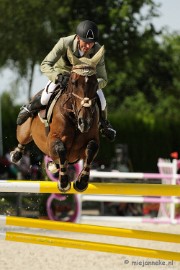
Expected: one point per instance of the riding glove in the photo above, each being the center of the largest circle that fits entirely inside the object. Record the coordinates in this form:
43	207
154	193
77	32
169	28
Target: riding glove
63	80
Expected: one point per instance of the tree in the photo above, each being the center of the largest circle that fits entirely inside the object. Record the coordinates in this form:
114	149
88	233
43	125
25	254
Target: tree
35	25
9	113
28	35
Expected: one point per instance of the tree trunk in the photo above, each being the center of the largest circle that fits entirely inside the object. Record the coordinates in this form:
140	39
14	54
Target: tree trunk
30	80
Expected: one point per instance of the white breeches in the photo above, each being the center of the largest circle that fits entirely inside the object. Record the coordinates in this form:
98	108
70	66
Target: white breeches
102	99
47	92
50	87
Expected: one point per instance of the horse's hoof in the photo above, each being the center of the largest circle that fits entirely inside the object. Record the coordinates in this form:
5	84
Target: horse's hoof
15	156
64	187
80	186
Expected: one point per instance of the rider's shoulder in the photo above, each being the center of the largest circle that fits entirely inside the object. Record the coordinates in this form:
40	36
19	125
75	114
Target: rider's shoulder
68	40
64	42
96	47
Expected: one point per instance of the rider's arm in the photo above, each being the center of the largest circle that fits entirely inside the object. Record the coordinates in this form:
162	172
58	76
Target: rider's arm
53	64
101	73
47	65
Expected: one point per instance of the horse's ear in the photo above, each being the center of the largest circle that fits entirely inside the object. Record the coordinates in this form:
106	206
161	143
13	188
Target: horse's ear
97	57
84	60
72	58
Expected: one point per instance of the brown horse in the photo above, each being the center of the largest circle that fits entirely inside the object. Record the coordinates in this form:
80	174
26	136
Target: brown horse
74	128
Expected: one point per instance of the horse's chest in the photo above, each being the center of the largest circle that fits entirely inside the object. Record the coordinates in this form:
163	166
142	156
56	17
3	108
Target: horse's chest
76	148
77	143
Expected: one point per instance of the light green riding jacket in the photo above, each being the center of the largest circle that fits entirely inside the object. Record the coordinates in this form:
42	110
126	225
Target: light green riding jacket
56	61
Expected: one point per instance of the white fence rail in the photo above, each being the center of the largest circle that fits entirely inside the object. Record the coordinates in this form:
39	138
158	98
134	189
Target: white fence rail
167	210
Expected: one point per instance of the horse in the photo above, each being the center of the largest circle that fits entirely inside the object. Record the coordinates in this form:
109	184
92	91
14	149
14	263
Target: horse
74	127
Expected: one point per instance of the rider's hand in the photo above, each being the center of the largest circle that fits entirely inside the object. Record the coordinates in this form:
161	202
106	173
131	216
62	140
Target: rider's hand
63	80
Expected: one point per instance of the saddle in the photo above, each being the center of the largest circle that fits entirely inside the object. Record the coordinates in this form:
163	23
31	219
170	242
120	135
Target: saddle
46	115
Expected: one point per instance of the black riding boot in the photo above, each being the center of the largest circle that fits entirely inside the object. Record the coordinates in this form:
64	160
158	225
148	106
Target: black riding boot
30	110
105	127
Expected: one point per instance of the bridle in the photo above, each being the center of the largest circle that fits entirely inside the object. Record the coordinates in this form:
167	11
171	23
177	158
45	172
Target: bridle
85	71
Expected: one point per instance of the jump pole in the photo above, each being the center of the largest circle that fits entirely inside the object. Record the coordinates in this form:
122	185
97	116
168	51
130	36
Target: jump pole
134	175
90	229
95	188
137	219
134	199
87	245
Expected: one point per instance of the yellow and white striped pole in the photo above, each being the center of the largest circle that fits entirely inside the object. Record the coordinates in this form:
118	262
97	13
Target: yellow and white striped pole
95	188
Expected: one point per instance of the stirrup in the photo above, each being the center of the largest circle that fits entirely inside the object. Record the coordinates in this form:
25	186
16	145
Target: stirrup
24	107
109	133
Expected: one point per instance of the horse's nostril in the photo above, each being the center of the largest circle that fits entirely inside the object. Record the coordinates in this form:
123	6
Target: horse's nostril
83	125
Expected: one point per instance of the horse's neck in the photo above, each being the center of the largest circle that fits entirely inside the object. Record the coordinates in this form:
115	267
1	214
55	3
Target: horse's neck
64	103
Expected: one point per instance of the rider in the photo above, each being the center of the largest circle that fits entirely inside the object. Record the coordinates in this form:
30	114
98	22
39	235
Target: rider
57	67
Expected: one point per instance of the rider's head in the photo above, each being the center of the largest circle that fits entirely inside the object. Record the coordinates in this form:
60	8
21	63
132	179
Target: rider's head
87	34
87	31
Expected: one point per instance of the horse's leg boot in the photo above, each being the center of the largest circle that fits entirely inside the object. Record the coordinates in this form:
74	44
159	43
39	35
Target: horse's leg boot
105	127
16	155
30	110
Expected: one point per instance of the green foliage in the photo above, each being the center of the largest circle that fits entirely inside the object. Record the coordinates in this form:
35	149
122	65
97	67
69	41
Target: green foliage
143	66
146	142
9	114
34	26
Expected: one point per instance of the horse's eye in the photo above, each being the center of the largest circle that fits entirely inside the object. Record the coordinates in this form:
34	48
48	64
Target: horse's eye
74	82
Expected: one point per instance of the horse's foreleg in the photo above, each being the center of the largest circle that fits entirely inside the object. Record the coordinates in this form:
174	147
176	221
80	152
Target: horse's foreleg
24	137
91	151
64	183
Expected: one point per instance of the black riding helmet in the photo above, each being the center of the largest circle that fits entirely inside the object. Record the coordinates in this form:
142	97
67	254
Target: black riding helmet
87	31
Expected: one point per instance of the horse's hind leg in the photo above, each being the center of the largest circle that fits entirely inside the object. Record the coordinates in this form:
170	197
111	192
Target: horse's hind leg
91	151
59	149
23	137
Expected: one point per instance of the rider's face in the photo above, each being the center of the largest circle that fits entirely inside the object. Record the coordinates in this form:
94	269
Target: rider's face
85	46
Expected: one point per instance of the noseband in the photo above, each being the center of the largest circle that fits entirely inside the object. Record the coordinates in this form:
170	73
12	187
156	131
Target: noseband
85	102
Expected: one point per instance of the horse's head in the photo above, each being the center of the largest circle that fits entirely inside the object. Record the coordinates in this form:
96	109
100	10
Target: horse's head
83	85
